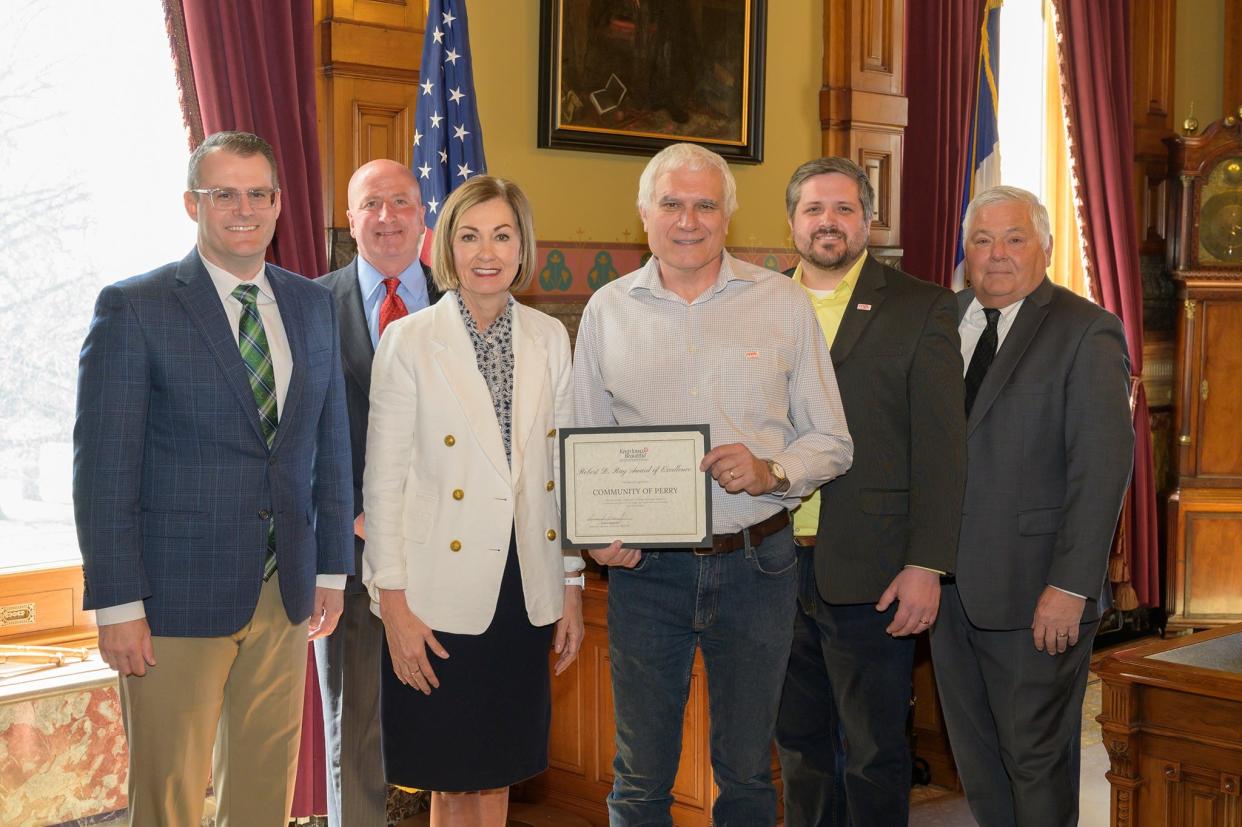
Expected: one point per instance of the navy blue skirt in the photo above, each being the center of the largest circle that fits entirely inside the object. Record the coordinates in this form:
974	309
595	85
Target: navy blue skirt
487	724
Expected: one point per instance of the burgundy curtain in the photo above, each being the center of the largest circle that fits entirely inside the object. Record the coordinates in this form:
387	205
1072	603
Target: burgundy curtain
1094	40
942	55
249	65
254	70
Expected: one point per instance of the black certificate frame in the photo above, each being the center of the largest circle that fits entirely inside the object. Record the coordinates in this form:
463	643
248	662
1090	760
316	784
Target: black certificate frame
563	436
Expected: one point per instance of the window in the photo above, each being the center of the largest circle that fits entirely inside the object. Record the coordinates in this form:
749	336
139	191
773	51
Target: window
1021	88
1034	138
92	167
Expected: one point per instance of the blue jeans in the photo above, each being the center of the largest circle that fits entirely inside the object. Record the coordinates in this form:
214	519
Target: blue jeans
739	609
841	732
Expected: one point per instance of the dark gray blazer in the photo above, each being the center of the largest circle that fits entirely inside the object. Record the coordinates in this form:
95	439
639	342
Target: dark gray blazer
898	363
1050	445
356	356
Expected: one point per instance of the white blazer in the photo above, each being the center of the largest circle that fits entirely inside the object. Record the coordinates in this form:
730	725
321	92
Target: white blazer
440	497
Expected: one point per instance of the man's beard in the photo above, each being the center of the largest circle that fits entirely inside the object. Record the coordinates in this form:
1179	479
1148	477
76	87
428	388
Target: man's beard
828	261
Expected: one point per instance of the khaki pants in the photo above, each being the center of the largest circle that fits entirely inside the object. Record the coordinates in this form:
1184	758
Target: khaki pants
241	694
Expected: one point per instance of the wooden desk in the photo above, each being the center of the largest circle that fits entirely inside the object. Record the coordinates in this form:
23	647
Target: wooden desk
1172	723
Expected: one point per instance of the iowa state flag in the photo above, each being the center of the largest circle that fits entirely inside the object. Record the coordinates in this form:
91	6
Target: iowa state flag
983	170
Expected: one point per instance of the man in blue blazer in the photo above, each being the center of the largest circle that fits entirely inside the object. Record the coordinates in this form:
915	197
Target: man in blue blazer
212	497
384	282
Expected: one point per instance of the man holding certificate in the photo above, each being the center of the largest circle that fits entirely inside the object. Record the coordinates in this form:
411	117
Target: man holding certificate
697	337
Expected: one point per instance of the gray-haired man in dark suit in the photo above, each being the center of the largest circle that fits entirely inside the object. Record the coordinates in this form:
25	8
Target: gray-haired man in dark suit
1049	445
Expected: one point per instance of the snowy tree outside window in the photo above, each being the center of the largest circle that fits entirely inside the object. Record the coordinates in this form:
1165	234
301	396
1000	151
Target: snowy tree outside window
92	168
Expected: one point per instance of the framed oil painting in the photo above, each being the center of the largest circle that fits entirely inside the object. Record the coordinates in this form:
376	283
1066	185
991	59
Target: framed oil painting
633	76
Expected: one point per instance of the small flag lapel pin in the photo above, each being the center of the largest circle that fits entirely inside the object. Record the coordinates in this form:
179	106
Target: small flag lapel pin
863	306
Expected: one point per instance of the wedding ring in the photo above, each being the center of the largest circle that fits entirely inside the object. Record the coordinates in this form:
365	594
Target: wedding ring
1062	634
925	620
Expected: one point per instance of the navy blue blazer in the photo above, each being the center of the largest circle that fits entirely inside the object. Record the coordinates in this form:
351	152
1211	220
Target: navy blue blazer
173	482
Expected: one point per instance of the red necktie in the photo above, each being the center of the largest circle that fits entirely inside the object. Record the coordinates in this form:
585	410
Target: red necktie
392	308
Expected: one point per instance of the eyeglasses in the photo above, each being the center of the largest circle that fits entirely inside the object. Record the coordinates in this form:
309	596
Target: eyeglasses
260	198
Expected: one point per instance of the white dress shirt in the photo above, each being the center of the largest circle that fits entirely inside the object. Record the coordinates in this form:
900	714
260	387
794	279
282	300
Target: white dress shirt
974	322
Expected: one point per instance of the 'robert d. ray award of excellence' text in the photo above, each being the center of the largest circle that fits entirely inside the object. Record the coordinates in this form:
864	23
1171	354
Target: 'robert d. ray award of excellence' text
640	485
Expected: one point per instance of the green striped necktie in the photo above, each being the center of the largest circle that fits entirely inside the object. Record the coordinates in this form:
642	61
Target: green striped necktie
252	342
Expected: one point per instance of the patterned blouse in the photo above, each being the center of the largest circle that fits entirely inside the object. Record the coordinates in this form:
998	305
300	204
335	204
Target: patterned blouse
493	351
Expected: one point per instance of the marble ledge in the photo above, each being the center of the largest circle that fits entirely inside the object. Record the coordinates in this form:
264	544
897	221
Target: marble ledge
63	757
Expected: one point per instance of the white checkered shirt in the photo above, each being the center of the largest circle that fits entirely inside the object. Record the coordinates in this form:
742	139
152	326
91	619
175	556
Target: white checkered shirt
746	357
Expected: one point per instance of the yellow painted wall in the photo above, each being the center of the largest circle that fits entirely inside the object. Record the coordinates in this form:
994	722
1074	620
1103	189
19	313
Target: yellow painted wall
589	196
1198	73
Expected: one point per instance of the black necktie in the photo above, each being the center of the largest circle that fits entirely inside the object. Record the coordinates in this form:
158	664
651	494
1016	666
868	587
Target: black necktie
981	360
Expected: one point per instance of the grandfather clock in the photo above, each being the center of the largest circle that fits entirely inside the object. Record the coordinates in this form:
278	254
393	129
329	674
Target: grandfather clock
1204	574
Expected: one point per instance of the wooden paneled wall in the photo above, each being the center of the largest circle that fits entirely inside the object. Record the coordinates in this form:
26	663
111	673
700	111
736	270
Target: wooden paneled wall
367	57
1232	91
862	105
1152	47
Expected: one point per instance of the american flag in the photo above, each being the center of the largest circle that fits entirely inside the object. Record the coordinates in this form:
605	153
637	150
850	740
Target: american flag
448	140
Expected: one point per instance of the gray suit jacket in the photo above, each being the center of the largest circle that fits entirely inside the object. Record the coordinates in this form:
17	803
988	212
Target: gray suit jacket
899	369
1050	445
356	356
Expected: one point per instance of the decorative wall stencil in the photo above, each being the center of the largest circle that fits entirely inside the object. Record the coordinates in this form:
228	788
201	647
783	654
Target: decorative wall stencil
603	271
555	275
571	271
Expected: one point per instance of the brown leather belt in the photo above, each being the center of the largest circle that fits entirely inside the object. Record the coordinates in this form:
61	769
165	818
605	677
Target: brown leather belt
804	540
725	543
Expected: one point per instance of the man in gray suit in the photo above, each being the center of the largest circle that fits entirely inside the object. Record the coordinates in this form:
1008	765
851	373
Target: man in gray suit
1049	450
383	283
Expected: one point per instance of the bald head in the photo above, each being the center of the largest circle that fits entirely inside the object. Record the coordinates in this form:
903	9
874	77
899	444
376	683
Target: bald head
386	215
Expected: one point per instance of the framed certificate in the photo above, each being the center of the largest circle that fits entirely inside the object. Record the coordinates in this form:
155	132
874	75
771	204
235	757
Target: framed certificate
641	485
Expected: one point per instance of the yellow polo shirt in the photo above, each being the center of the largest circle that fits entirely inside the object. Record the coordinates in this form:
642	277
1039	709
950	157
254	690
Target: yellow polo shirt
829	310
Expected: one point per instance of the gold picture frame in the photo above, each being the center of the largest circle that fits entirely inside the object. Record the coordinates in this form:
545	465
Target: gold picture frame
626	77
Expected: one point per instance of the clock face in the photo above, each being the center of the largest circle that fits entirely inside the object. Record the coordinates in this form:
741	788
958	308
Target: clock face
1220	215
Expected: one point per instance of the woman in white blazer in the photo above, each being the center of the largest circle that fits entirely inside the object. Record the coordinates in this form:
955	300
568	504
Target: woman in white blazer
462	558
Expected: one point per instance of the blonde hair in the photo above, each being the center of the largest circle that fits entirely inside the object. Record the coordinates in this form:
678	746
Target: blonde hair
475	191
